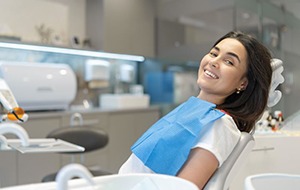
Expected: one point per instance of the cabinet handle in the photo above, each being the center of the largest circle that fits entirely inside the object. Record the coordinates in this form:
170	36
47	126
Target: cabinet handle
264	149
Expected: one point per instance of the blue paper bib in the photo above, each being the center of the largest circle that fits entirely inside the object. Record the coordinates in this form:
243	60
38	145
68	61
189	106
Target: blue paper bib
165	146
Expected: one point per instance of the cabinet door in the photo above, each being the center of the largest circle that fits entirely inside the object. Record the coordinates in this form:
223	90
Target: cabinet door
124	129
285	155
8	168
32	167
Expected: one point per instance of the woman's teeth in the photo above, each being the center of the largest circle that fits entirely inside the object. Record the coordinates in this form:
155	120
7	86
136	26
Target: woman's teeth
211	74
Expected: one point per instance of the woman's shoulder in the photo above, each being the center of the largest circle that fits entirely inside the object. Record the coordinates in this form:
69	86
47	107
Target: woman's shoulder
228	123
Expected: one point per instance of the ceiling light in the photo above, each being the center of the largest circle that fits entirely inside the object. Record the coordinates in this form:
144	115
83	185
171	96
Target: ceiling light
73	51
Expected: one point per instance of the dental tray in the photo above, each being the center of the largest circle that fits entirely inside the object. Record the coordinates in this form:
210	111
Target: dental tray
44	145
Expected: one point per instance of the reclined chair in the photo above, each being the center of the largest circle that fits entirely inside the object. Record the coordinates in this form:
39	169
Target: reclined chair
224	175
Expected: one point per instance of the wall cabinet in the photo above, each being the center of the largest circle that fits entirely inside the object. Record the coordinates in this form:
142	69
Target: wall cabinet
271	154
123	128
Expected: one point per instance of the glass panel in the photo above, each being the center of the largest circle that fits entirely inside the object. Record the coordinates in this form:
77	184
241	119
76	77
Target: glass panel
278	28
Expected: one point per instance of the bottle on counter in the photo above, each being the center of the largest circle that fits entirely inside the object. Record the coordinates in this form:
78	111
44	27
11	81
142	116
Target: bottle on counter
279	118
273	125
269	117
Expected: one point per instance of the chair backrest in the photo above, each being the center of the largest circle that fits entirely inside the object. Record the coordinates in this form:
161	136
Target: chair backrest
224	175
91	138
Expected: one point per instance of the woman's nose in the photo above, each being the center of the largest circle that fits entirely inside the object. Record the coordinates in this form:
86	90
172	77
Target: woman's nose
214	63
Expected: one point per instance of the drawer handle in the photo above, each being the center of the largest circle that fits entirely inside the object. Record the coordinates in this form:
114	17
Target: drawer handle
264	149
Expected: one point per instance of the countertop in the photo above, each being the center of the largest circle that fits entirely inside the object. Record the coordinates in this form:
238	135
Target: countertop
53	113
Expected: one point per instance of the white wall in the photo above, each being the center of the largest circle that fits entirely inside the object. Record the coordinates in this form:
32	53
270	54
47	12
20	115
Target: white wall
77	16
125	26
129	26
20	18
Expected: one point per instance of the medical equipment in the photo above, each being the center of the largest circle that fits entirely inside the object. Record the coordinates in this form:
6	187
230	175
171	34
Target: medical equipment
26	145
14	129
8	101
40	86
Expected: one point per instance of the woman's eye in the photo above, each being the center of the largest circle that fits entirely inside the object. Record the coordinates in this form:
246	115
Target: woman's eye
213	54
229	62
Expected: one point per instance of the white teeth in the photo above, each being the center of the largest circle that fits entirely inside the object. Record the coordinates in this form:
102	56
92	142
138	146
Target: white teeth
211	74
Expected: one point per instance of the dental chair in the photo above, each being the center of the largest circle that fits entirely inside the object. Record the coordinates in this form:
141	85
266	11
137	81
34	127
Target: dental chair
224	175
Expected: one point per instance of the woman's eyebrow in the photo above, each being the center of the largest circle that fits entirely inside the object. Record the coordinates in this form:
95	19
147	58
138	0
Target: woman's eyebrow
229	53
216	48
234	55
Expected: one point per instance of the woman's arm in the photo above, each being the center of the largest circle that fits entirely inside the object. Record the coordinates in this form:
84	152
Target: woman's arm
199	167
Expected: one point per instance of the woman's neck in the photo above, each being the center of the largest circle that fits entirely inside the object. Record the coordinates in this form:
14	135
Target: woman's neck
215	99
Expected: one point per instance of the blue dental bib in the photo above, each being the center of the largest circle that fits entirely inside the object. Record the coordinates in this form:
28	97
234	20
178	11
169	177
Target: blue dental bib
165	146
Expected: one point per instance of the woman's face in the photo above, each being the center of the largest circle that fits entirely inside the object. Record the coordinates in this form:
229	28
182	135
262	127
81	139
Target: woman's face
223	71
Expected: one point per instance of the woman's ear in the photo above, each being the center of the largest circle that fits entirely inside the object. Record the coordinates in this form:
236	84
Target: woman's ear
244	84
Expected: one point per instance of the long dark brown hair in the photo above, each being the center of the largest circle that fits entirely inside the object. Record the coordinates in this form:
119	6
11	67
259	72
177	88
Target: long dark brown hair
247	106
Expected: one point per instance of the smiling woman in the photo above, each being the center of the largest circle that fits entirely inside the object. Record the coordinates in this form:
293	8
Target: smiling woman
195	139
